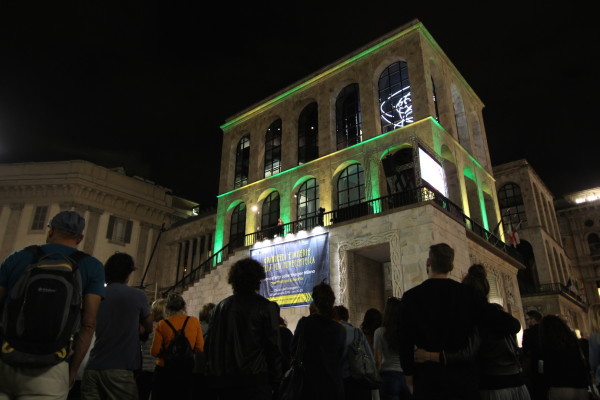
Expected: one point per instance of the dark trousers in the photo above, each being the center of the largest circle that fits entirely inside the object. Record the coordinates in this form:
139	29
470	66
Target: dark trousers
394	386
356	389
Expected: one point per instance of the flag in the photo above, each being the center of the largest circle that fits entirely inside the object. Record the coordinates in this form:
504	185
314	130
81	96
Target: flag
513	235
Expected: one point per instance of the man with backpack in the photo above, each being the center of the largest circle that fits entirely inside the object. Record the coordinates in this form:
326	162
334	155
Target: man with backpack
123	316
45	338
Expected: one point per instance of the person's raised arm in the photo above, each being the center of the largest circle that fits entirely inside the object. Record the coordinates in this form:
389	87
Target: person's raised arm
83	339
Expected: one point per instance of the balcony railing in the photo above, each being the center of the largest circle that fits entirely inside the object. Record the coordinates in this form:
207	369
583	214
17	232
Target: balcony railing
331	218
552	288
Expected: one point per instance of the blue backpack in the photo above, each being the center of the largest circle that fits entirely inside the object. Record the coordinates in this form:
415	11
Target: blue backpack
43	312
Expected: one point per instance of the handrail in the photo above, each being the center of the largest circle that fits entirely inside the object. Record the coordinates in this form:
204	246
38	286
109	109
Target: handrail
197	272
553	288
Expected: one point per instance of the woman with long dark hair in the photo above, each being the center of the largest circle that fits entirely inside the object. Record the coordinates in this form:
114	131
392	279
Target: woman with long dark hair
565	368
371	321
321	344
385	346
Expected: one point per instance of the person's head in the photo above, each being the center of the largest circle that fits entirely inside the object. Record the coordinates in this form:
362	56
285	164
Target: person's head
206	313
245	276
66	228
158	309
371	320
341	313
594	316
441	258
118	267
175	304
556	335
532	317
324	298
477	279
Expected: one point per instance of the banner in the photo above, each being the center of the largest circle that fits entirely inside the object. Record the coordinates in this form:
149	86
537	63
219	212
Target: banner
293	269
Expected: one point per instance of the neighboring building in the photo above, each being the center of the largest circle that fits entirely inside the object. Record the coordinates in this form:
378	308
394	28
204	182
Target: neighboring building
385	151
550	282
122	213
579	222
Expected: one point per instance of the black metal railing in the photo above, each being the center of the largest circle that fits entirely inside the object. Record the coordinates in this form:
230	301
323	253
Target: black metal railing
197	272
553	288
371	207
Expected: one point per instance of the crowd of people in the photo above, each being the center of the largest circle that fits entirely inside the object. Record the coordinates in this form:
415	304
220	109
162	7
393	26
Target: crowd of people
443	339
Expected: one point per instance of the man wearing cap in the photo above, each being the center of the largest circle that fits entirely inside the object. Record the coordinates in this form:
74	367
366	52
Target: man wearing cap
65	232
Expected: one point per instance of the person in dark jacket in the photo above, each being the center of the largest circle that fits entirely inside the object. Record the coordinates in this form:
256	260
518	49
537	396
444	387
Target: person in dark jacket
439	315
322	344
565	367
243	350
495	350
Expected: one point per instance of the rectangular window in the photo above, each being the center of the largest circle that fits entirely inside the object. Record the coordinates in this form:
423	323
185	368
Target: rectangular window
39	218
119	230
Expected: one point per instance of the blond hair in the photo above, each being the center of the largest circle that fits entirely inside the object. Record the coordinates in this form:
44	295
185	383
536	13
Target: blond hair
158	309
594	316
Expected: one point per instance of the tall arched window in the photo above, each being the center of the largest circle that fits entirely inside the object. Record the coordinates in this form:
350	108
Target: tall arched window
242	162
348	118
399	170
395	103
512	208
308	134
351	186
273	149
594	244
308	203
435	98
270	211
237	230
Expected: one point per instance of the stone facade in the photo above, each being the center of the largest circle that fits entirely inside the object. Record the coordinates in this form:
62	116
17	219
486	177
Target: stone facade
382	252
122	213
550	282
579	221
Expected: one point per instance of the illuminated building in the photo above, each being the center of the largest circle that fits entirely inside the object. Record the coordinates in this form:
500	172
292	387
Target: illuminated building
579	223
390	143
552	281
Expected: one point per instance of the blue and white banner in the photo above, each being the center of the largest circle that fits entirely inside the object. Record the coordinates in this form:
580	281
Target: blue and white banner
293	269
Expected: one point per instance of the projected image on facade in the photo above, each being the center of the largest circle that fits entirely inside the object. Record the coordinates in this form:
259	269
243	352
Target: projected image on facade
432	172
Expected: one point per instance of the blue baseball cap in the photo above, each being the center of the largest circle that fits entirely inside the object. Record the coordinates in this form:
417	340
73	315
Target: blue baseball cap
68	221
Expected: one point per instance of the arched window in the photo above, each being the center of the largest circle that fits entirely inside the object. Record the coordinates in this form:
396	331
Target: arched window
395	103
308	134
399	171
435	98
594	244
351	186
237	230
270	211
242	162
308	203
512	208
348	119
273	149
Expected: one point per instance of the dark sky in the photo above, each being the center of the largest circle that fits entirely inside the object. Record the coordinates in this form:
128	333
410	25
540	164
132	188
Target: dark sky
145	84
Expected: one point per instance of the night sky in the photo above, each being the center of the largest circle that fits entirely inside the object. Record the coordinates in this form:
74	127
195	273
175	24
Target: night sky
145	84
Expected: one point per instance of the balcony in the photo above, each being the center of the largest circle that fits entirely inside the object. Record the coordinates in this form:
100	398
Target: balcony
554	288
331	218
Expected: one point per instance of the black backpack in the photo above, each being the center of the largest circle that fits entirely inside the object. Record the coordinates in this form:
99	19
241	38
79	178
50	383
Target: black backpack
179	355
43	311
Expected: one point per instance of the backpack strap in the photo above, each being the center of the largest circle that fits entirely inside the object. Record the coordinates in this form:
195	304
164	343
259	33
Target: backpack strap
78	256
171	325
37	252
185	323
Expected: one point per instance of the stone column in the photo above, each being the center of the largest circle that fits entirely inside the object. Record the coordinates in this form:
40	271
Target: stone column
91	229
10	234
